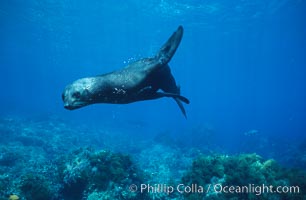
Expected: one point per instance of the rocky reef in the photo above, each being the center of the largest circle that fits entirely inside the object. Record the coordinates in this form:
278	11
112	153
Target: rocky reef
50	159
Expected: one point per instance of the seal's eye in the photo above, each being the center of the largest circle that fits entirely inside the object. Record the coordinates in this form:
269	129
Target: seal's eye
76	95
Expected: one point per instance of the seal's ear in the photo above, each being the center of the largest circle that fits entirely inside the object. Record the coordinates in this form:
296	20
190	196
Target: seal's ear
86	93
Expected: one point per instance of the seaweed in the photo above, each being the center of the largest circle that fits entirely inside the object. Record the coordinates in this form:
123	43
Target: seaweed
35	187
248	170
88	173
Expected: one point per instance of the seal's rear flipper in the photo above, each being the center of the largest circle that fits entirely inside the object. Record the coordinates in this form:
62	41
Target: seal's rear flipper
175	96
178	98
181	106
168	49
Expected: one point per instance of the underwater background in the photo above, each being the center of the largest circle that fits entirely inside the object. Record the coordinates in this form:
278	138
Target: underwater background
241	63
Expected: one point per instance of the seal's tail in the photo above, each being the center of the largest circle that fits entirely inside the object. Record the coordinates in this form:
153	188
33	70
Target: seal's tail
168	49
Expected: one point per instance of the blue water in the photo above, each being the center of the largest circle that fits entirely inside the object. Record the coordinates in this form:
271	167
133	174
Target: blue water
241	63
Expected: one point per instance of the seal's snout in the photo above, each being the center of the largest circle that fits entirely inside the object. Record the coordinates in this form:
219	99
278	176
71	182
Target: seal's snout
68	107
73	105
66	104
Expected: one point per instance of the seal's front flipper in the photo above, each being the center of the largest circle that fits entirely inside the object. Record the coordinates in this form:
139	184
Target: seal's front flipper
168	49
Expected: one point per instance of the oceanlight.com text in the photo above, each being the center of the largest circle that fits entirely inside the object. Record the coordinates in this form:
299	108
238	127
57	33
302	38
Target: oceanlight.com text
256	189
214	188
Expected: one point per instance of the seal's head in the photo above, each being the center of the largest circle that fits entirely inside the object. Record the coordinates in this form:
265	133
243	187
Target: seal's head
78	94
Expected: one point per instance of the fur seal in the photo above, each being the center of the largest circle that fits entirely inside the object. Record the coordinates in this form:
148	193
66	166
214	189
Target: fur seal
145	79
